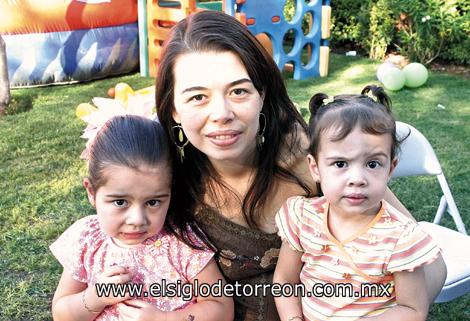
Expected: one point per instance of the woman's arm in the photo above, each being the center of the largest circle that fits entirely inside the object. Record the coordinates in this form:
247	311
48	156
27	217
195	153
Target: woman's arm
411	304
288	270
208	308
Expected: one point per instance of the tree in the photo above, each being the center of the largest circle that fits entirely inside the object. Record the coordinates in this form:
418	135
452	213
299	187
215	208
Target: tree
4	82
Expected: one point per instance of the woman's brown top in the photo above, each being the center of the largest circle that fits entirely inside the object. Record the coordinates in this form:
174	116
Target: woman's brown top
245	256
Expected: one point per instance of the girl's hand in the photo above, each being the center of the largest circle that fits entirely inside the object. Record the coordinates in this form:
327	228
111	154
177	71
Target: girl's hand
110	277
137	310
209	308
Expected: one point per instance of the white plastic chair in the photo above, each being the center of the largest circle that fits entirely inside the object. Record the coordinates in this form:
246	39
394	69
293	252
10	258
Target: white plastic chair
417	157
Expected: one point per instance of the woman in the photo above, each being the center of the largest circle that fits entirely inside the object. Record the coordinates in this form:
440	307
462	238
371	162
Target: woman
240	148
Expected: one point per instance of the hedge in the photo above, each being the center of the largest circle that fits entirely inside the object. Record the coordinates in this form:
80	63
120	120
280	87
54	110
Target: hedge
421	30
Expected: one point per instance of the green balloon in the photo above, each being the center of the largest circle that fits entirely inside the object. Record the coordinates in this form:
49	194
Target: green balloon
393	79
415	75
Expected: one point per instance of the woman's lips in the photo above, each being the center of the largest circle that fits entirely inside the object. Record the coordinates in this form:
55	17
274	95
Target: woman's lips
224	138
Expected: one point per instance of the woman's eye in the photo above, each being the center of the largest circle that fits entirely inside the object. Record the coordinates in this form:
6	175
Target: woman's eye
120	203
197	98
239	91
373	164
153	203
340	164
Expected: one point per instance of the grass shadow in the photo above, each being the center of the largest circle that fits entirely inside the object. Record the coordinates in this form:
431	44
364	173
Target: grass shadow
19	103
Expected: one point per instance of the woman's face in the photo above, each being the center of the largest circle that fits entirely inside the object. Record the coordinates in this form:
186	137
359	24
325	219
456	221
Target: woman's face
217	105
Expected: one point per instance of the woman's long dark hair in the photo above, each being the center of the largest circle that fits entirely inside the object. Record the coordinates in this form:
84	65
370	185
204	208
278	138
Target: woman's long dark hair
211	31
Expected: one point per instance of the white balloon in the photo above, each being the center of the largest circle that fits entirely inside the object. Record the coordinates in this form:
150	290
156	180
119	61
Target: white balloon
383	69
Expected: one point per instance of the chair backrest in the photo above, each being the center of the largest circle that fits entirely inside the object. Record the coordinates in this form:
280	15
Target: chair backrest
416	155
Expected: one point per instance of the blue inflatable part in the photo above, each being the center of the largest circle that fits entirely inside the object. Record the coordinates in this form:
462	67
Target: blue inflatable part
69	56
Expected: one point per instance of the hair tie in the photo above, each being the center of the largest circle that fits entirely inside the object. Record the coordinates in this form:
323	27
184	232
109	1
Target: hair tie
328	100
371	95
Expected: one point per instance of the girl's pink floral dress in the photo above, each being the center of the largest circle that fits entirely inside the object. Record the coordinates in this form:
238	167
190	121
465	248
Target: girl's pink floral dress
85	250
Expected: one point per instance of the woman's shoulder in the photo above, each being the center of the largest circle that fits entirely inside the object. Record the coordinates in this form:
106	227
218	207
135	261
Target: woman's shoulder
294	148
293	158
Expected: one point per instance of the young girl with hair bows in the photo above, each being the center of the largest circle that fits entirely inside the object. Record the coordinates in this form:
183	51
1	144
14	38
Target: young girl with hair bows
356	254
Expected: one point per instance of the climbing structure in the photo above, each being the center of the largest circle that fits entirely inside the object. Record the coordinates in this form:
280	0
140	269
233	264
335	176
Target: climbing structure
156	18
161	16
309	53
307	57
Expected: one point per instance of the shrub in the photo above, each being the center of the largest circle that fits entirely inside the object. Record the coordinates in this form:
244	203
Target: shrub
424	27
421	30
346	22
457	44
379	32
290	9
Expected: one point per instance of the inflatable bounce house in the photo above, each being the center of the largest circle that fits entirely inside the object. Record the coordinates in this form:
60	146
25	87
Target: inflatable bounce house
308	56
64	41
61	41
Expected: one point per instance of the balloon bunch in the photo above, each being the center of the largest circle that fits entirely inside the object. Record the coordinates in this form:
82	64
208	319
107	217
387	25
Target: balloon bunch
393	78
121	94
124	101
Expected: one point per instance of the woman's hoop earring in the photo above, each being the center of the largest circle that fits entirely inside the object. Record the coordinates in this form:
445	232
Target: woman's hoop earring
179	142
260	136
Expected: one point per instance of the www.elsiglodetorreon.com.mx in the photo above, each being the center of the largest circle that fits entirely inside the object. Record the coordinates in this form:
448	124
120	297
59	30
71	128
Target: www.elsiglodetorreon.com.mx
190	290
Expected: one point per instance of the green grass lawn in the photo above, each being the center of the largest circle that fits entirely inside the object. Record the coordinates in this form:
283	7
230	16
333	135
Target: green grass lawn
41	174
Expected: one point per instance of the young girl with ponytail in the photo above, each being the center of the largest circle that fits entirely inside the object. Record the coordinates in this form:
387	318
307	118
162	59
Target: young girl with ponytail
130	260
355	255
